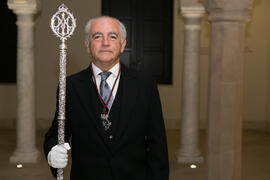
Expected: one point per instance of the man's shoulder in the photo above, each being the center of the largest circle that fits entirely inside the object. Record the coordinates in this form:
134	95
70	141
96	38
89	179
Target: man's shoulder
80	75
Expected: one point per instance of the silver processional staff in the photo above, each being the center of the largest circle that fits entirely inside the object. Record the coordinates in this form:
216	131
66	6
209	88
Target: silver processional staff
63	25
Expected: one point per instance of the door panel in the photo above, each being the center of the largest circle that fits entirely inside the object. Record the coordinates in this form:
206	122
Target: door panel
149	39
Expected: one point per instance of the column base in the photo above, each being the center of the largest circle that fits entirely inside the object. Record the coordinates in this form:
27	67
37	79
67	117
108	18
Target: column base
189	160
25	157
189	155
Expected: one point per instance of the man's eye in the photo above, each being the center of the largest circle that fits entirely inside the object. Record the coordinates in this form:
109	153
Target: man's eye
113	37
97	37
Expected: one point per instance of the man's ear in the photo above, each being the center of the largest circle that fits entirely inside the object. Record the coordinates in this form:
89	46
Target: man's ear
86	43
123	45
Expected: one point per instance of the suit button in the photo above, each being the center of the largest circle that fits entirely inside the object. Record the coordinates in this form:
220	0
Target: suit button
111	137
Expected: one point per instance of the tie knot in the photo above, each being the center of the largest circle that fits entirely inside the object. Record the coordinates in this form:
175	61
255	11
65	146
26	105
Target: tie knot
104	75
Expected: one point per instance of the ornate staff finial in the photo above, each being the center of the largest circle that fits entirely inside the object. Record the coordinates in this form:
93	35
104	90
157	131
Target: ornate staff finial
63	25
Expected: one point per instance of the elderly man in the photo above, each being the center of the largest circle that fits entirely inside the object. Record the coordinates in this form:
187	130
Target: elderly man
113	116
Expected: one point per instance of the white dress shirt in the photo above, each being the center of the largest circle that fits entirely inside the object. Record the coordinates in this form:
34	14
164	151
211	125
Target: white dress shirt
110	80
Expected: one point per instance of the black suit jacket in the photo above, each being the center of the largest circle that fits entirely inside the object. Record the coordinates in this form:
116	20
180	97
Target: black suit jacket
138	150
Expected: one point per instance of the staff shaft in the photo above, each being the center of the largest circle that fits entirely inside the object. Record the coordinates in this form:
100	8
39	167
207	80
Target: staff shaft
62	102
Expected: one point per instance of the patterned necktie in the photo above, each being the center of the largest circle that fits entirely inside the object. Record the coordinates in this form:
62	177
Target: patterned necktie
104	88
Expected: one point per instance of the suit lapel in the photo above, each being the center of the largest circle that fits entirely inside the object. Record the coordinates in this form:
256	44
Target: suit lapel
128	99
86	91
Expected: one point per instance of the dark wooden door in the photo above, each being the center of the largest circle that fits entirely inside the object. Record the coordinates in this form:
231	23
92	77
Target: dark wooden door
149	39
8	55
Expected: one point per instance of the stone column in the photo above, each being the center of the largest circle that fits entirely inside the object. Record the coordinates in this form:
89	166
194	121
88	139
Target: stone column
224	134
189	152
26	151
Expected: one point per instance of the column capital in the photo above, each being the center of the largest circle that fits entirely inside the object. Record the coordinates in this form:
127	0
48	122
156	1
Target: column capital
229	15
191	9
228	4
24	7
229	10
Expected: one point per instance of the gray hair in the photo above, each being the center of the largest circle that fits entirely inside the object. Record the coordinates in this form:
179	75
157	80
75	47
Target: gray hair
122	28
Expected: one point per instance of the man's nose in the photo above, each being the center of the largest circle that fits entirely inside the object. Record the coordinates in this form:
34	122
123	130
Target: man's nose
105	41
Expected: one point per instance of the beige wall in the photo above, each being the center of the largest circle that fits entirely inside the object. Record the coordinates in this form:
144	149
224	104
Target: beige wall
257	66
7	105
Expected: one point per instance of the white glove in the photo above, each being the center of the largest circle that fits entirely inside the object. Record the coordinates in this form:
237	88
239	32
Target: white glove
58	156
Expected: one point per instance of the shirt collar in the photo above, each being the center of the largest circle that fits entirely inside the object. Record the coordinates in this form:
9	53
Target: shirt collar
114	70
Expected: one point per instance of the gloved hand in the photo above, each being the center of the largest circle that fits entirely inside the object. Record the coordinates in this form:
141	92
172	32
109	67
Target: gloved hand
58	156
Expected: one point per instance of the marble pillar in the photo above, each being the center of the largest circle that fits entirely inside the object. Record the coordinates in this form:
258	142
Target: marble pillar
189	152
26	151
224	132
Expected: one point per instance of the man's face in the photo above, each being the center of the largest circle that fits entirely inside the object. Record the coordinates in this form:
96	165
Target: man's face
105	42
